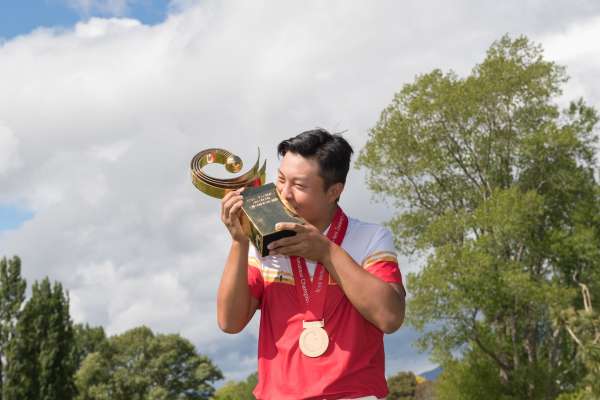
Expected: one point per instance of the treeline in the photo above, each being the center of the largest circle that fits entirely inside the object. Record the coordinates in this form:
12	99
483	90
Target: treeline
403	386
407	386
45	356
238	390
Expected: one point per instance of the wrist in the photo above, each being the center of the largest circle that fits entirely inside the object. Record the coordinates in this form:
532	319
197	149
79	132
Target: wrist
328	253
241	243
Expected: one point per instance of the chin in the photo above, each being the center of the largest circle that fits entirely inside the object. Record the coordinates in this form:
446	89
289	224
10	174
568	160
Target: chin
299	212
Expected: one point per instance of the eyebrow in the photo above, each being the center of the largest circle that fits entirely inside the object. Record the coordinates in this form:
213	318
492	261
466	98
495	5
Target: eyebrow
300	178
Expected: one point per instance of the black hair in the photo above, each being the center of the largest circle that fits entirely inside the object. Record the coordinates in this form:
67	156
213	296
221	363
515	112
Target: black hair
331	152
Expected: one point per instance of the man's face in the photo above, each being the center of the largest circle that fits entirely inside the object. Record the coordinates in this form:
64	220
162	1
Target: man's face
299	182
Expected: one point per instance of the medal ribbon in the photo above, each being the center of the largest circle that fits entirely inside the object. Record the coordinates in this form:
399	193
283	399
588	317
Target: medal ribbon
312	295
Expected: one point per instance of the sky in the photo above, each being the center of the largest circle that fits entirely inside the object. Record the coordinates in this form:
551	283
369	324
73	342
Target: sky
103	103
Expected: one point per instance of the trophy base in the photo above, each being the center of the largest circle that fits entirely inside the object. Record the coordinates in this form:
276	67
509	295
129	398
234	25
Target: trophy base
263	208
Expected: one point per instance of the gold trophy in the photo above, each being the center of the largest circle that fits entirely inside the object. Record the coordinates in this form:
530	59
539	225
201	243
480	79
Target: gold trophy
263	205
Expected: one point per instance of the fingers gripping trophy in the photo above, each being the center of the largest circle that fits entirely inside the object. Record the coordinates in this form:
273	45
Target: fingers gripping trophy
263	205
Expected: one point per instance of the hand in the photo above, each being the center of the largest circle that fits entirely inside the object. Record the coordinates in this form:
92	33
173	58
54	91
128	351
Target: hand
308	243
230	209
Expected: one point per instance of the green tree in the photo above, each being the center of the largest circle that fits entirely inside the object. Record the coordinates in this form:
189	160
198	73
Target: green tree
12	295
580	395
238	390
425	391
473	378
496	192
138	365
40	356
87	340
402	386
584	328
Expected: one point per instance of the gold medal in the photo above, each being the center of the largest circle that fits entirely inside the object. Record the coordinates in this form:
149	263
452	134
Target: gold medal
314	339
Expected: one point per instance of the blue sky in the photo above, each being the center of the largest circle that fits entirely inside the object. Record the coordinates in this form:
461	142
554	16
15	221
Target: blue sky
20	17
12	218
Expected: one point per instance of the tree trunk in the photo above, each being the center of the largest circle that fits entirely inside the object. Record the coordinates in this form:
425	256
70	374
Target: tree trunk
531	342
515	341
553	357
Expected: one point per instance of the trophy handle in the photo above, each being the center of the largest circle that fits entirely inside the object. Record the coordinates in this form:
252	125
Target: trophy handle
218	188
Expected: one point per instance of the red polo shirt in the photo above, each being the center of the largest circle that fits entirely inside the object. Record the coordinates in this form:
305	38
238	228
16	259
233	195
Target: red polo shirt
353	365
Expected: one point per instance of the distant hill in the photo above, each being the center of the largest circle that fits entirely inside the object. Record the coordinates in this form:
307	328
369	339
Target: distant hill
431	375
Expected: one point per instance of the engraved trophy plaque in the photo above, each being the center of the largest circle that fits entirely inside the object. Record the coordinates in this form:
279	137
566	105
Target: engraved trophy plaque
263	205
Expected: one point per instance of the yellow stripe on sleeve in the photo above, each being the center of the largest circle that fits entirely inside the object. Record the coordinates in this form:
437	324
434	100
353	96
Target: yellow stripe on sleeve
254	261
380	254
372	261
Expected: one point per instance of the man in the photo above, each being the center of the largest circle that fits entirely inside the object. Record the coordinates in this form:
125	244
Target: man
320	338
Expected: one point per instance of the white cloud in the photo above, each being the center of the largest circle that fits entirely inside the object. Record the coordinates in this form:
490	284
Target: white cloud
9	150
578	40
110	152
578	49
107	116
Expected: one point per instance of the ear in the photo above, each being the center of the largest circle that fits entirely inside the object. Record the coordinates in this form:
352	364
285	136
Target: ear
335	191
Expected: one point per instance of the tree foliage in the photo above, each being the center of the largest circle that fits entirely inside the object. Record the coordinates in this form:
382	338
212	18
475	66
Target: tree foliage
40	355
401	386
584	327
12	295
425	391
87	340
43	356
496	191
473	378
238	390
138	365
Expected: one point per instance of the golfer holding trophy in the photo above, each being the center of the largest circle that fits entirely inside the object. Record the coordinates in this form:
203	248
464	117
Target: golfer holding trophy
328	286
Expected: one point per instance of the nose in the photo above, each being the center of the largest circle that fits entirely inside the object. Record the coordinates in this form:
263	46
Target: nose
286	192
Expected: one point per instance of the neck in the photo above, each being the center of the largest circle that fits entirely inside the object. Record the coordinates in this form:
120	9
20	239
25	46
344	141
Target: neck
323	222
